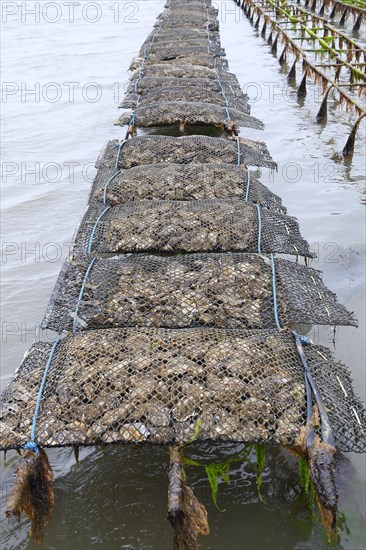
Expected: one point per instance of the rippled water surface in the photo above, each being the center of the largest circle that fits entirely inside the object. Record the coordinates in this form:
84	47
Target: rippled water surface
116	496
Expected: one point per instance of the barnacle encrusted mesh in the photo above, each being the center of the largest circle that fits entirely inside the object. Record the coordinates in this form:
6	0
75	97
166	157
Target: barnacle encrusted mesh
199	59
177	70
177	91
184	38
211	90
178	182
171	51
187	21
194	149
161	386
163	113
217	225
222	290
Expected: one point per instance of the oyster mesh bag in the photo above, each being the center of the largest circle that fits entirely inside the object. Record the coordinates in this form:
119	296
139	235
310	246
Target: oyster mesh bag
178	182
168	51
184	58
217	225
177	91
210	90
163	113
165	386
187	21
222	290
184	38
193	149
179	70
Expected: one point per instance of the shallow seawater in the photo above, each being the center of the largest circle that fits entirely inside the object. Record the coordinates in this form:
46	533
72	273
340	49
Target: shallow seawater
116	496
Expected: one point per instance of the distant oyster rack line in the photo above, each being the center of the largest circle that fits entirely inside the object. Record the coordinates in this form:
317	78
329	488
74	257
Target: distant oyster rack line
180	321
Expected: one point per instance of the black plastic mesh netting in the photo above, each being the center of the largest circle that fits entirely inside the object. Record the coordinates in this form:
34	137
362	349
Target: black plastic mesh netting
217	225
165	113
194	149
168	51
183	58
210	90
175	90
176	70
183	38
165	386
222	290
187	20
179	182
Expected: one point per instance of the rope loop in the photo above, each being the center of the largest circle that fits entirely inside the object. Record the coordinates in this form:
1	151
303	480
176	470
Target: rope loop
95	228
248	186
259	228
274	293
239	151
31	444
74	324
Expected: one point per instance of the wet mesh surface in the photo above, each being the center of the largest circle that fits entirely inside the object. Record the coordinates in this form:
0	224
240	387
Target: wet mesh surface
222	290
187	39
188	226
193	149
159	386
199	59
178	182
176	70
163	113
177	91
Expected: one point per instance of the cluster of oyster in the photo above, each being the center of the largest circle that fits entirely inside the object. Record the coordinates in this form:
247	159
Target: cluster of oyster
193	149
149	387
177	182
179	227
178	91
184	182
163	113
202	292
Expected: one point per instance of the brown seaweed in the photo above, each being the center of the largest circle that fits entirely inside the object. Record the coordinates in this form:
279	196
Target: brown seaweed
32	492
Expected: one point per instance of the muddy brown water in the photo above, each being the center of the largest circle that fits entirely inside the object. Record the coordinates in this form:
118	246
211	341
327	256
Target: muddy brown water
116	496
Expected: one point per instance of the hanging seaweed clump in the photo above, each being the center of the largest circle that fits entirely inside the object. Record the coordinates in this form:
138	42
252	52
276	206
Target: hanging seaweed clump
260	463
32	492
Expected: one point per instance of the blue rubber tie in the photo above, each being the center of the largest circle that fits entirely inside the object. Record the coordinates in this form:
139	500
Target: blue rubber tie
239	152
248	185
274	292
95	228
31	444
119	153
117	171
222	92
81	295
259	229
106	186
